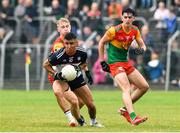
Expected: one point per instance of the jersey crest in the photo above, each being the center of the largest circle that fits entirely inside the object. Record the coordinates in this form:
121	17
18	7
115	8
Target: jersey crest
57	46
58	43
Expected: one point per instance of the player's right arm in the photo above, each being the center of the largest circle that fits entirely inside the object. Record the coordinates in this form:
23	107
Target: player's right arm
51	61
108	36
48	67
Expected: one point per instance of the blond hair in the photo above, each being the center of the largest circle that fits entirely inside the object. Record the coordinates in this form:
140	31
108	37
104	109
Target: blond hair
63	20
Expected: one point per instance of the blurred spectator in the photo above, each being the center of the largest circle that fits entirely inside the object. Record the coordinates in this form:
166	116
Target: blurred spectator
19	12
155	69
126	4
171	22
31	25
177	7
87	44
6	11
148	39
144	4
174	60
94	11
86	32
174	71
20	9
56	9
98	75
141	66
85	2
94	20
2	34
83	13
72	11
174	67
114	11
160	14
8	51
76	3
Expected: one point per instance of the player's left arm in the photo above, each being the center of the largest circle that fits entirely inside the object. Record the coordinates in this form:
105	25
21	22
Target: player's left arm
87	72
84	67
140	41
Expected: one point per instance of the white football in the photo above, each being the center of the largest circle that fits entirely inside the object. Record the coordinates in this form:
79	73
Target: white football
69	72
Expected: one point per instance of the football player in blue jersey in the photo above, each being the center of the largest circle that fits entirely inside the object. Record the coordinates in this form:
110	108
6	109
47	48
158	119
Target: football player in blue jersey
73	54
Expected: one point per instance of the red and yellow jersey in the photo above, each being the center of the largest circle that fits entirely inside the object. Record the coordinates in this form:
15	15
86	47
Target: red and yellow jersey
57	44
120	42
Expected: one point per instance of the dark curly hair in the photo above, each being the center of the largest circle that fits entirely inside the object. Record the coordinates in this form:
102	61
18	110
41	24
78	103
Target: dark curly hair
70	36
129	10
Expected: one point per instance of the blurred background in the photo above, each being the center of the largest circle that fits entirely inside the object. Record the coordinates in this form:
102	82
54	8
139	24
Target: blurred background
28	29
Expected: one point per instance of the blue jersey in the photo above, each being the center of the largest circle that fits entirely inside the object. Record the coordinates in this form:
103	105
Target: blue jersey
61	58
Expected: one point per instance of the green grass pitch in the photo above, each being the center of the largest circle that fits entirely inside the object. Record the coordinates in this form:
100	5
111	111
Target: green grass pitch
37	111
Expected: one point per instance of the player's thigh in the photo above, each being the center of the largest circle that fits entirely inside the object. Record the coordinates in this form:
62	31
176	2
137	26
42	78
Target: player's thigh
70	96
85	94
122	81
138	80
59	87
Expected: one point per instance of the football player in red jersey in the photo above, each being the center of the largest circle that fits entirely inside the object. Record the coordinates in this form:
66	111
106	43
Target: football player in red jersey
119	39
64	27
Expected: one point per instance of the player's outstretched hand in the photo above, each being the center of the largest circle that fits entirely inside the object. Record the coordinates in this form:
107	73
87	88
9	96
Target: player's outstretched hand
139	51
58	76
89	77
105	66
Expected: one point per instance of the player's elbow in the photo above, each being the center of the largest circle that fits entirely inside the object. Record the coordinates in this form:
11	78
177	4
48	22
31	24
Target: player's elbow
145	87
45	64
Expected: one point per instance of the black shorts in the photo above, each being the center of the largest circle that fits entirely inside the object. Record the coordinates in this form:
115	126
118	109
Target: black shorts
77	83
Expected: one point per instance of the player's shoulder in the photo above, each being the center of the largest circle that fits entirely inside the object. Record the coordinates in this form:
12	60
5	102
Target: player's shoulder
118	27
81	49
61	50
57	44
135	28
59	53
114	28
59	39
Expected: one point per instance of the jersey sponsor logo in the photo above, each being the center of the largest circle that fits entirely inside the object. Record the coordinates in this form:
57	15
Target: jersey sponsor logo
71	59
79	58
125	38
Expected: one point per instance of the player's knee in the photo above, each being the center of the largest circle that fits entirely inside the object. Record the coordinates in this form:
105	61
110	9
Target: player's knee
126	90
145	87
74	102
58	93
